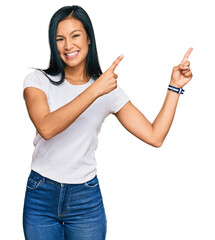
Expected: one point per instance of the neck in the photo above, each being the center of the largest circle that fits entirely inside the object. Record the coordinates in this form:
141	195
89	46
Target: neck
76	75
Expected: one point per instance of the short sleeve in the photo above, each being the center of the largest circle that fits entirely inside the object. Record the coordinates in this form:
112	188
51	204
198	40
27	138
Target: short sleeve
36	79
118	99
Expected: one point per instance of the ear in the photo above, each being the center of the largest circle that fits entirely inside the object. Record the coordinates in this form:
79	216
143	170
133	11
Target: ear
88	40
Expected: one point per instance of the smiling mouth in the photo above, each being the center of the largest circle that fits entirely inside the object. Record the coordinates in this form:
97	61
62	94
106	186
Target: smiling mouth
72	54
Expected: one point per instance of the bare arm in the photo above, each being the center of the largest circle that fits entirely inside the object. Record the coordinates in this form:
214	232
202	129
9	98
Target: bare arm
49	124
154	133
137	124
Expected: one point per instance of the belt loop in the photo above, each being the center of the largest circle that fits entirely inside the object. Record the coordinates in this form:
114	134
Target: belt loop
43	179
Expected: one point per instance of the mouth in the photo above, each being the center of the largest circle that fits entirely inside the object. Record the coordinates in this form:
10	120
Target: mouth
71	55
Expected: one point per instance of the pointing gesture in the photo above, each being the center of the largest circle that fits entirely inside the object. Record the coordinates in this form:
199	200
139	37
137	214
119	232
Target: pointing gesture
182	74
186	56
107	81
116	63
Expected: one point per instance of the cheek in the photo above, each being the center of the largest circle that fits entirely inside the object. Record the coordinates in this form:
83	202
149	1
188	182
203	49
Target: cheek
83	44
85	47
60	47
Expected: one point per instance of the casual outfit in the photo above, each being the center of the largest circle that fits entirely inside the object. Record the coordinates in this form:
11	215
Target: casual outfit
61	211
62	192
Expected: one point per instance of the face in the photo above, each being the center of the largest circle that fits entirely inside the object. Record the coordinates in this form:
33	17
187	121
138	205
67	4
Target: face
72	42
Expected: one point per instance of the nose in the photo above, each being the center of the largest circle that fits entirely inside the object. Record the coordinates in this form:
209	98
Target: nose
68	44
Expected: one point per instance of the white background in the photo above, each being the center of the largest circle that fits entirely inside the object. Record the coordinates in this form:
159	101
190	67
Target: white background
149	194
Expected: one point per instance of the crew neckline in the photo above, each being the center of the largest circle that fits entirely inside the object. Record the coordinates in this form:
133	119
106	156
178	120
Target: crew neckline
78	85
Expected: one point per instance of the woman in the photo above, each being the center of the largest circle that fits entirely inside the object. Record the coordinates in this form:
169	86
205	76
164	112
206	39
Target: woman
67	104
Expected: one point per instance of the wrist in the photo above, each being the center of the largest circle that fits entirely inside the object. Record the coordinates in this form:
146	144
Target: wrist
175	84
175	89
94	91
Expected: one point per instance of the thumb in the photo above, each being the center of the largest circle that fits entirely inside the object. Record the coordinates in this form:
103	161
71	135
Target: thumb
181	67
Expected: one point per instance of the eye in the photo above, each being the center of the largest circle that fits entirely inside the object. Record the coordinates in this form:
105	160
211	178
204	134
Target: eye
59	39
76	35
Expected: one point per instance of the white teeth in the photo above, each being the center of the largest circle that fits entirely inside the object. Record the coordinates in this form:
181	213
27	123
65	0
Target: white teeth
72	54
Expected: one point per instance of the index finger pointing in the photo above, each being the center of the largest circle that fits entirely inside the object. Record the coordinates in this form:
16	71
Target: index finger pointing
116	62
186	56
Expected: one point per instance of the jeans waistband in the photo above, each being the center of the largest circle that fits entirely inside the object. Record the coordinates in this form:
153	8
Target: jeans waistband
48	180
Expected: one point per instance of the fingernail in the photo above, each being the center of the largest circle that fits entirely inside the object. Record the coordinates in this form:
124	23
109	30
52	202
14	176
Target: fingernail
121	55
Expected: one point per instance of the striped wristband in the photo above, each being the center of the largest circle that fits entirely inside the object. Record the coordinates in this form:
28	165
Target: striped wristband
175	89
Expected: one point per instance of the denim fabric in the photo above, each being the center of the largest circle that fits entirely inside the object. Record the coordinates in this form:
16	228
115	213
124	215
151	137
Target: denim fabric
60	211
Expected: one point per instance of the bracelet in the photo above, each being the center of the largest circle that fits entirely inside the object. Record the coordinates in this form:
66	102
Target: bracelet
175	89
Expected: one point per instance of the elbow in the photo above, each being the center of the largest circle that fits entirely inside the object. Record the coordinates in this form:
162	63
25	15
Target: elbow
46	137
157	144
156	140
45	133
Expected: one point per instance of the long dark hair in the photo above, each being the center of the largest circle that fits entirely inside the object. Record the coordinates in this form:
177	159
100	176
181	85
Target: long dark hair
56	65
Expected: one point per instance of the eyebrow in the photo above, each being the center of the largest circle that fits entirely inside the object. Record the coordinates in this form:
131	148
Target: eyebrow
76	30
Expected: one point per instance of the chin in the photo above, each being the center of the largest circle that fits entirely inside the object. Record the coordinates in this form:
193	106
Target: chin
74	63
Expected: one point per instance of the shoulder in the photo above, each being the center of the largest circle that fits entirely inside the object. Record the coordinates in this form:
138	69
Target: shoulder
36	79
117	91
37	74
41	77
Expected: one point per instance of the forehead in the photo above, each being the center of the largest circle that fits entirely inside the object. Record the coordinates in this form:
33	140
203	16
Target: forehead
68	25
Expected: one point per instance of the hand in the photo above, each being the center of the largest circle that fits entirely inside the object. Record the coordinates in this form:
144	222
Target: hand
107	81
182	74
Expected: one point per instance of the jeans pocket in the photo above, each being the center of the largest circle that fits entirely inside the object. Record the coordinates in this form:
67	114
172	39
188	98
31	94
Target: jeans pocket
92	183
33	181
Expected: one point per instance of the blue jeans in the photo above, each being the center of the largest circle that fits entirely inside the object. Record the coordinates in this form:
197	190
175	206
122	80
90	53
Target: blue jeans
60	211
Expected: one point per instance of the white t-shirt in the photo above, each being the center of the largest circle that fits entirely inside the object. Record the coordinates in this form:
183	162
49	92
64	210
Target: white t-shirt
69	157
